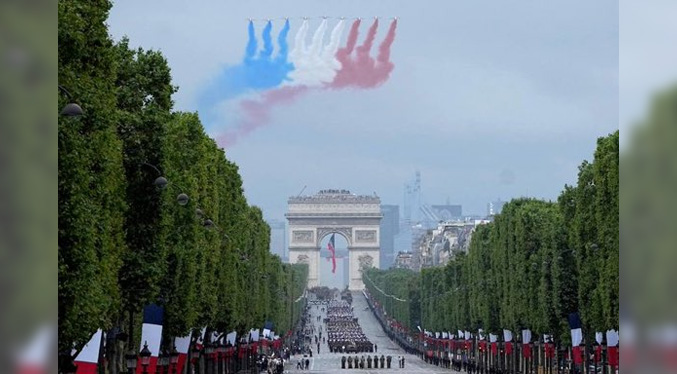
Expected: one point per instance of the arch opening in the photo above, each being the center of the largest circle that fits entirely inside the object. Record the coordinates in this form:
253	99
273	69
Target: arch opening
340	278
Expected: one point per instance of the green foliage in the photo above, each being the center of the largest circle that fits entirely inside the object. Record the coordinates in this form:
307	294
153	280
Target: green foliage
91	176
123	242
534	264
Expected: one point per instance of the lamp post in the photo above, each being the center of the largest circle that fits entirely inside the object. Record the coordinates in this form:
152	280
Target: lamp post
145	357
71	109
195	358
220	351
131	360
173	359
162	362
209	352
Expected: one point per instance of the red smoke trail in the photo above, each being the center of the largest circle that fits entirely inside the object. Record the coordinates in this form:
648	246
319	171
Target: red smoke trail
363	71
344	53
257	112
360	71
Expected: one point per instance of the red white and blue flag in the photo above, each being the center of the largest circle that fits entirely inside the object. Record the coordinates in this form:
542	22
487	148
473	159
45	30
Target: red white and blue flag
151	334
330	247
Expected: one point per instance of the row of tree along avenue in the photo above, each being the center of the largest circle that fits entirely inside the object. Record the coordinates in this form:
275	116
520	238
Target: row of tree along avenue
151	212
549	268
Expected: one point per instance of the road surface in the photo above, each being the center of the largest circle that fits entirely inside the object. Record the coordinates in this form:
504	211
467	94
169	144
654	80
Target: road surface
327	362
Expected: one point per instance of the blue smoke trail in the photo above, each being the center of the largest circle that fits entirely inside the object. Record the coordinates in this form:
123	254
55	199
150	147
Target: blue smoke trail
250	51
254	73
267	42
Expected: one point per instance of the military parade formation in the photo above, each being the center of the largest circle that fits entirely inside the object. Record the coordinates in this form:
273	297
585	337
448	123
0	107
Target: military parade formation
344	333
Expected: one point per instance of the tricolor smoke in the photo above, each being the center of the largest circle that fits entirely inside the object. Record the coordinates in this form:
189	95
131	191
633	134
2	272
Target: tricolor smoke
306	67
255	73
362	70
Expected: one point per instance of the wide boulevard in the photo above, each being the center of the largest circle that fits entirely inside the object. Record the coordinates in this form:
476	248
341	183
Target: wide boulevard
327	362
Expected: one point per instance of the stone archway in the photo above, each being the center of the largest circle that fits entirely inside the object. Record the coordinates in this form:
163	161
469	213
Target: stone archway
356	218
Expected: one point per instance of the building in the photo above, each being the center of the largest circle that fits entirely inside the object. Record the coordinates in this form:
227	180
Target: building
448	212
278	239
403	260
437	246
390	227
495	207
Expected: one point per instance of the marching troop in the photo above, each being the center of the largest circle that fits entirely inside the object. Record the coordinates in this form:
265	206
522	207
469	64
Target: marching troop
344	334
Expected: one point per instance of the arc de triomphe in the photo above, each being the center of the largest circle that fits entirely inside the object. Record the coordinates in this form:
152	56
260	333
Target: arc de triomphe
356	218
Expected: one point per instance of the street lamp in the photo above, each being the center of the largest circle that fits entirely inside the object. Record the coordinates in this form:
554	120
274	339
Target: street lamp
162	362
145	357
220	351
182	199
209	352
174	359
131	359
71	109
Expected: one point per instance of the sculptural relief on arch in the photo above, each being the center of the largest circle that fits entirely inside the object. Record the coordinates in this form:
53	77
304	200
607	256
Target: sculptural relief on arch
355	217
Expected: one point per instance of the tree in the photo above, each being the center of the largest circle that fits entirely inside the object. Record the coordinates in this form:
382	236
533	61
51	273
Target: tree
91	177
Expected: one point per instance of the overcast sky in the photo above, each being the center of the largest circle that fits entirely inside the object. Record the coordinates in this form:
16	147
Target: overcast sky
488	99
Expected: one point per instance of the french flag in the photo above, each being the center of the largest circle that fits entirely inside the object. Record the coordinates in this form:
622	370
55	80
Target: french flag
182	346
526	339
576	337
34	357
331	248
151	334
507	337
88	358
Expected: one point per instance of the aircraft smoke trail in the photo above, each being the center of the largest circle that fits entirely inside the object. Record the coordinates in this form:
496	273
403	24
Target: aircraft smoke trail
316	65
254	73
343	53
267	50
307	60
257	112
362	70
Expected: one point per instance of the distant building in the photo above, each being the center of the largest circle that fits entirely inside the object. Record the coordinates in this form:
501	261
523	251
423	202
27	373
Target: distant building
278	238
439	245
448	212
495	207
390	227
403	260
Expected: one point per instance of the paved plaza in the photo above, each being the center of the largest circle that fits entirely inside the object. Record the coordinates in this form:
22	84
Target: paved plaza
327	362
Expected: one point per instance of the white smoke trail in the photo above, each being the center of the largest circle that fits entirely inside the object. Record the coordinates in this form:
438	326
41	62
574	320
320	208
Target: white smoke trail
316	64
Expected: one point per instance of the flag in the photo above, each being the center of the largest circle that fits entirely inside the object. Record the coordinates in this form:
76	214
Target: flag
88	358
34	357
507	336
576	337
612	347
493	339
182	345
331	248
151	334
254	335
526	339
231	337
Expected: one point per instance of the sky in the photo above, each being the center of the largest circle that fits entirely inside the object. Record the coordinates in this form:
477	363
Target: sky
487	99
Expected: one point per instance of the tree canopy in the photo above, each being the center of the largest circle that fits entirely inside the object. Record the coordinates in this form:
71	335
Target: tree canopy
534	264
123	241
